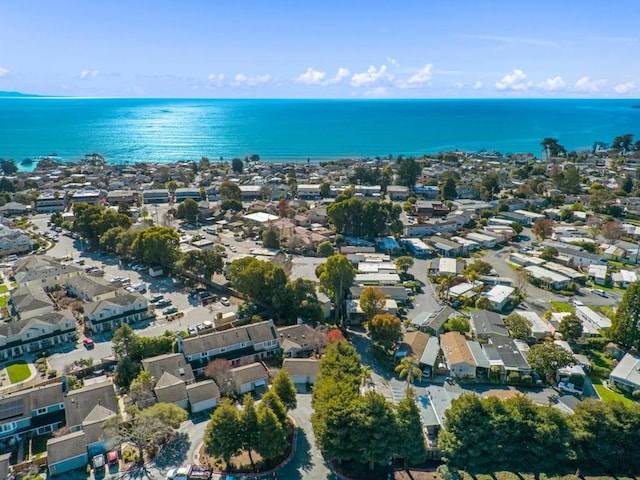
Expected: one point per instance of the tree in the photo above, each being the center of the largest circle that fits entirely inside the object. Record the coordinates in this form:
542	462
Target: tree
7	185
222	436
230	191
141	390
157	246
622	144
411	441
458	323
547	358
385	329
126	371
549	253
490	185
272	440
404	264
249	427
409	370
408	172
325	190
625	326
543	228
552	148
325	249
125	342
201	263
570	327
188	210
334	335
8	167
272	400
613	231
283	386
449	189
594	226
271	238
372	301
237	165
375	429
518	326
627	184
483	303
517	228
172	186
219	370
336	277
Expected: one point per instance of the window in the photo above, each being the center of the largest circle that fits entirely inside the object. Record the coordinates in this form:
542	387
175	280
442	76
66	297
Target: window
41	411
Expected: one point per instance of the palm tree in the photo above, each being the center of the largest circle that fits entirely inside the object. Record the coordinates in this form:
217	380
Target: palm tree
407	368
445	285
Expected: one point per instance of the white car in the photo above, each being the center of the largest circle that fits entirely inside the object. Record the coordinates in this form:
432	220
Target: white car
225	301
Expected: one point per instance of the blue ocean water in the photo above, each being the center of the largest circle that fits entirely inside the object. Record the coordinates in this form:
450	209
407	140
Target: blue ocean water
132	130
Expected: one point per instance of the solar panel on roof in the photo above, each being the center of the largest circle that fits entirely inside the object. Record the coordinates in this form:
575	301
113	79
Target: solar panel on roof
11	409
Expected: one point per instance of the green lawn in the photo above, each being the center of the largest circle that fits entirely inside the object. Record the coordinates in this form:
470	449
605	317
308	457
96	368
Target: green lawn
18	372
4	288
609	395
3	301
606	310
562	307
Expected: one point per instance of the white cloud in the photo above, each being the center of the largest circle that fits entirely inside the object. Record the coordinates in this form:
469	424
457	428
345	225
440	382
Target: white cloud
458	85
625	87
86	74
423	77
515	81
3	72
585	84
371	76
393	61
216	78
242	79
343	73
552	84
311	77
477	85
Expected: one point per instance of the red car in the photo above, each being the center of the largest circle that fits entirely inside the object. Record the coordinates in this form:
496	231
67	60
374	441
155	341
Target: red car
88	342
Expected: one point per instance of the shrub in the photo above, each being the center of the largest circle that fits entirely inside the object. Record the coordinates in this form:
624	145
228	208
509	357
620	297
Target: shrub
527	379
514	377
636	394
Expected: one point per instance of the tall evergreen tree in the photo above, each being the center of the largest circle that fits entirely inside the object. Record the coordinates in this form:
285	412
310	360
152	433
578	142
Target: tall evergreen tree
625	327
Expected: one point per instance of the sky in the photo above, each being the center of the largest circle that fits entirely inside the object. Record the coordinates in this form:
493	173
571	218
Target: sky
321	48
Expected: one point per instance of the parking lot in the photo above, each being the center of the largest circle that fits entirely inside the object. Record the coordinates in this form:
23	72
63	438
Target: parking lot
174	295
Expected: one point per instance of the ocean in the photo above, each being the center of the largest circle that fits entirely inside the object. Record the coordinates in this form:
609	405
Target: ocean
168	130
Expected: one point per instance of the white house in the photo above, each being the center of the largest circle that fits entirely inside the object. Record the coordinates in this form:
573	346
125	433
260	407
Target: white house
203	396
500	296
624	278
302	370
109	314
539	328
598	273
249	377
458	355
626	375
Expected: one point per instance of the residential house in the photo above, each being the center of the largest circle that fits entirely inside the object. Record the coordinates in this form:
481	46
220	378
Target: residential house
38	410
397	293
591	319
432	322
503	353
355	314
37	333
485	241
624	278
300	340
173	363
29	301
412	346
308	191
598	273
14	241
239	345
93	428
187	192
81	402
398	193
67	453
203	396
577	257
111	313
626	375
427	191
44	271
250	193
539	328
92	197
115	197
171	389
303	371
248	378
552	279
457	355
417	247
429	359
428	209
485	323
500	296
50	202
92	289
445	247
445	266
524	220
155	196
10	209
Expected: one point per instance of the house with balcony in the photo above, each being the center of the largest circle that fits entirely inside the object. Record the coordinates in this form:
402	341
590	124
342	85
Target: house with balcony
108	314
35	334
29	301
49	202
92	289
155	196
238	345
37	411
43	271
183	193
14	241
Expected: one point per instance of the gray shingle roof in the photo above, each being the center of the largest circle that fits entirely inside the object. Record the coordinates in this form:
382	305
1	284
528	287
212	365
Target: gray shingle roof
201	391
79	403
66	446
173	363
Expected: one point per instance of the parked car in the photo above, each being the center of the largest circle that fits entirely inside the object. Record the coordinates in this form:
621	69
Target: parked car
192	331
225	301
88	343
163	303
600	292
170	310
157	297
